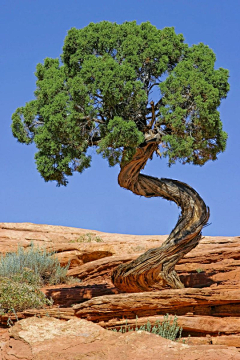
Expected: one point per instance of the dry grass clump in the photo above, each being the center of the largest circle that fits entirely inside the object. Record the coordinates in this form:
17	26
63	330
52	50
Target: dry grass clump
34	266
23	273
16	296
168	329
88	238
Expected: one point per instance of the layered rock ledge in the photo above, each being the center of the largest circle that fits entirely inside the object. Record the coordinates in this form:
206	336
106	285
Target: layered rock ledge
208	308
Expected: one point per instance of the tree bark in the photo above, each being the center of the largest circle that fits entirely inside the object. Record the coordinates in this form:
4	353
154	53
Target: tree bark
155	268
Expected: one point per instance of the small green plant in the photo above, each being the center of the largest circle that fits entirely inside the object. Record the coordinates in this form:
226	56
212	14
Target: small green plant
21	276
138	248
16	296
199	270
87	238
168	329
33	266
186	341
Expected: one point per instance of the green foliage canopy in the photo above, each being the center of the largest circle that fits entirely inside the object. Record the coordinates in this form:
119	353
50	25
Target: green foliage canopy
116	86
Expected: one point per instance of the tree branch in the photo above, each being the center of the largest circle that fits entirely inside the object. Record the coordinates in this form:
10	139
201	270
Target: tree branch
94	140
153	115
154	84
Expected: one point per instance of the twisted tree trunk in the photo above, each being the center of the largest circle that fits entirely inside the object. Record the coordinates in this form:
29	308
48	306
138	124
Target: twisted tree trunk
155	268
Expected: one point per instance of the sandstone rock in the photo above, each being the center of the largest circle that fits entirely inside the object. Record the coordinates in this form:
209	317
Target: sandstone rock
202	302
203	266
208	309
191	325
229	340
14	234
62	239
56	312
76	258
68	295
233	340
191	274
99	270
48	339
210	264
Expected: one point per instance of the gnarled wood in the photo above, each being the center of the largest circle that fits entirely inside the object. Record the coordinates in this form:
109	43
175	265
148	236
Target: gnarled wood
155	268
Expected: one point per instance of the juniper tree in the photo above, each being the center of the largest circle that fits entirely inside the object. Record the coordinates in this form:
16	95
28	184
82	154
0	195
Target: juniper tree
131	91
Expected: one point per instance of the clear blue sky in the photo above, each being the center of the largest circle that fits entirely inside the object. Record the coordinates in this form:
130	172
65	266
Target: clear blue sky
32	30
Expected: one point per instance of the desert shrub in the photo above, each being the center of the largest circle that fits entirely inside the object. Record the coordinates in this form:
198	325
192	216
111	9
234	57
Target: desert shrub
33	266
168	329
87	238
16	296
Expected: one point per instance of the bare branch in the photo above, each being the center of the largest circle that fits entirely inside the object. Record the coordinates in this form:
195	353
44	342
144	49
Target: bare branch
159	103
98	96
94	140
98	121
154	84
153	115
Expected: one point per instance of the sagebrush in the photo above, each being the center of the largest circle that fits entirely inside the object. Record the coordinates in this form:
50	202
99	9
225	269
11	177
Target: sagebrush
34	266
23	273
168	329
16	296
87	238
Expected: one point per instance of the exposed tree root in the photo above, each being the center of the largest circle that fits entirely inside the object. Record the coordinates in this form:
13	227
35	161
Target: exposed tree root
155	268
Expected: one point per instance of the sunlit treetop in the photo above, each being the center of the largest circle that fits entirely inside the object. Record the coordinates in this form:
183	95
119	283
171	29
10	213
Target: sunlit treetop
116	87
